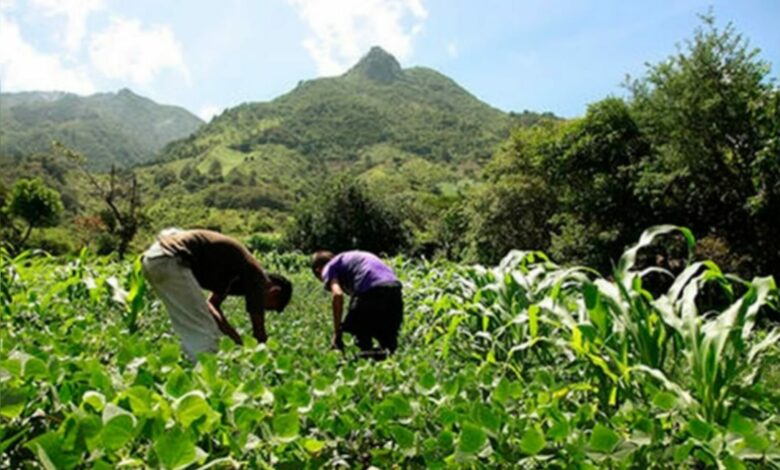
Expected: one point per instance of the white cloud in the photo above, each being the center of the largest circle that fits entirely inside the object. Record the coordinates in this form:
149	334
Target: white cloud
7	4
22	67
209	111
126	50
452	50
76	13
344	30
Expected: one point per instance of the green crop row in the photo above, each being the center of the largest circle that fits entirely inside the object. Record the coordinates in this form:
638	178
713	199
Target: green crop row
524	364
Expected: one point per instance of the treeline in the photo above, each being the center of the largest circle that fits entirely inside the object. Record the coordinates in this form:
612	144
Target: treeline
695	142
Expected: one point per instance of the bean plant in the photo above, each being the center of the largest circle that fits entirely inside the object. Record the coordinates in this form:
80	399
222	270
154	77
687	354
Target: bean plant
527	364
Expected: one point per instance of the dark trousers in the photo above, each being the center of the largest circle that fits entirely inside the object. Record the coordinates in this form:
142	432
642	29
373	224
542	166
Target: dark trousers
376	314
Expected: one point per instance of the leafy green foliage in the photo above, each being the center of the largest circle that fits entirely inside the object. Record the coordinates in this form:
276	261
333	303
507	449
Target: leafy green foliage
33	202
710	114
524	364
342	216
695	144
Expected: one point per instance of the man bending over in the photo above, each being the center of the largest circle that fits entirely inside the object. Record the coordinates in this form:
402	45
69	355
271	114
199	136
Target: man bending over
376	302
182	263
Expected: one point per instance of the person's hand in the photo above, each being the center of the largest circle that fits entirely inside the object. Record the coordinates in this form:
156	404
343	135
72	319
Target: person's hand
337	342
261	337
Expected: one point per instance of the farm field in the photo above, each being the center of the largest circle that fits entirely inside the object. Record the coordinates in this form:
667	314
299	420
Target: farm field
523	365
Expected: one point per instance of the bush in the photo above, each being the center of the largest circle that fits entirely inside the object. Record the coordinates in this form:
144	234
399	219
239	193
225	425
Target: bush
238	197
343	216
264	242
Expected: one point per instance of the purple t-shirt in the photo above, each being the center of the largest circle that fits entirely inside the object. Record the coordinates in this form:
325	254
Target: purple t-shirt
357	272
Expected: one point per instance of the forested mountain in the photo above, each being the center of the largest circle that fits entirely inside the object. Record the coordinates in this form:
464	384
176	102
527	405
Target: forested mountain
412	135
119	128
415	111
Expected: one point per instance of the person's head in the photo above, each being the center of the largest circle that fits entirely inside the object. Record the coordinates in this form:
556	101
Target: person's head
277	293
318	261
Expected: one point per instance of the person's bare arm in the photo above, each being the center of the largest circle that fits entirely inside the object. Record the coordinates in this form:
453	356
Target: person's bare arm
338	309
258	326
215	304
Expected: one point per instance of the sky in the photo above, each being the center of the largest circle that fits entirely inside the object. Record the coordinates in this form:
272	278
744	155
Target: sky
540	55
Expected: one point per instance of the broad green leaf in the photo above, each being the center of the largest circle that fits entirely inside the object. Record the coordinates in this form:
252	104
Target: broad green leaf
141	400
170	353
699	429
118	426
487	417
94	399
178	383
49	450
559	431
532	441
683	451
246	417
738	424
117	432
313	446
503	391
445	440
602	439
427	379
286	426
757	442
34	368
12	402
191	407
665	400
175	450
402	436
733	463
472	439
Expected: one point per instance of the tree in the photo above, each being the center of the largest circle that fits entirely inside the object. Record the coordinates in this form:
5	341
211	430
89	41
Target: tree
121	195
598	212
510	213
707	112
564	187
164	177
36	204
340	216
215	172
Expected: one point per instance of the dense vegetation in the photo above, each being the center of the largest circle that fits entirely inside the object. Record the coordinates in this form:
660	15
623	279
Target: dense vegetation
695	142
411	111
121	128
412	135
526	364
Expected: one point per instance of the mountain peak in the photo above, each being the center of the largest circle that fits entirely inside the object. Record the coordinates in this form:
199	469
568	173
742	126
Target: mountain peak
378	65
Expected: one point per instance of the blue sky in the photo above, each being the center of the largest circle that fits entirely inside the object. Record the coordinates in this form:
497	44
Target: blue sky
553	55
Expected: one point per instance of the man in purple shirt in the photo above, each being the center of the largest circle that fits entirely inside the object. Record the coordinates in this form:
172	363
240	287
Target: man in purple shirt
376	303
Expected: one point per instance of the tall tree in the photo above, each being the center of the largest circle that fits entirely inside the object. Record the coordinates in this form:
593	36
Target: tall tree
706	111
121	195
36	204
342	216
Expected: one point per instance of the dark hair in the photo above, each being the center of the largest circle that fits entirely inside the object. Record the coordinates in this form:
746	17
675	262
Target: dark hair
286	289
320	258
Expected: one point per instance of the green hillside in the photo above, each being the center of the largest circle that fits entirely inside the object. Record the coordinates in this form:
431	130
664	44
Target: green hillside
413	133
414	137
415	111
108	128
